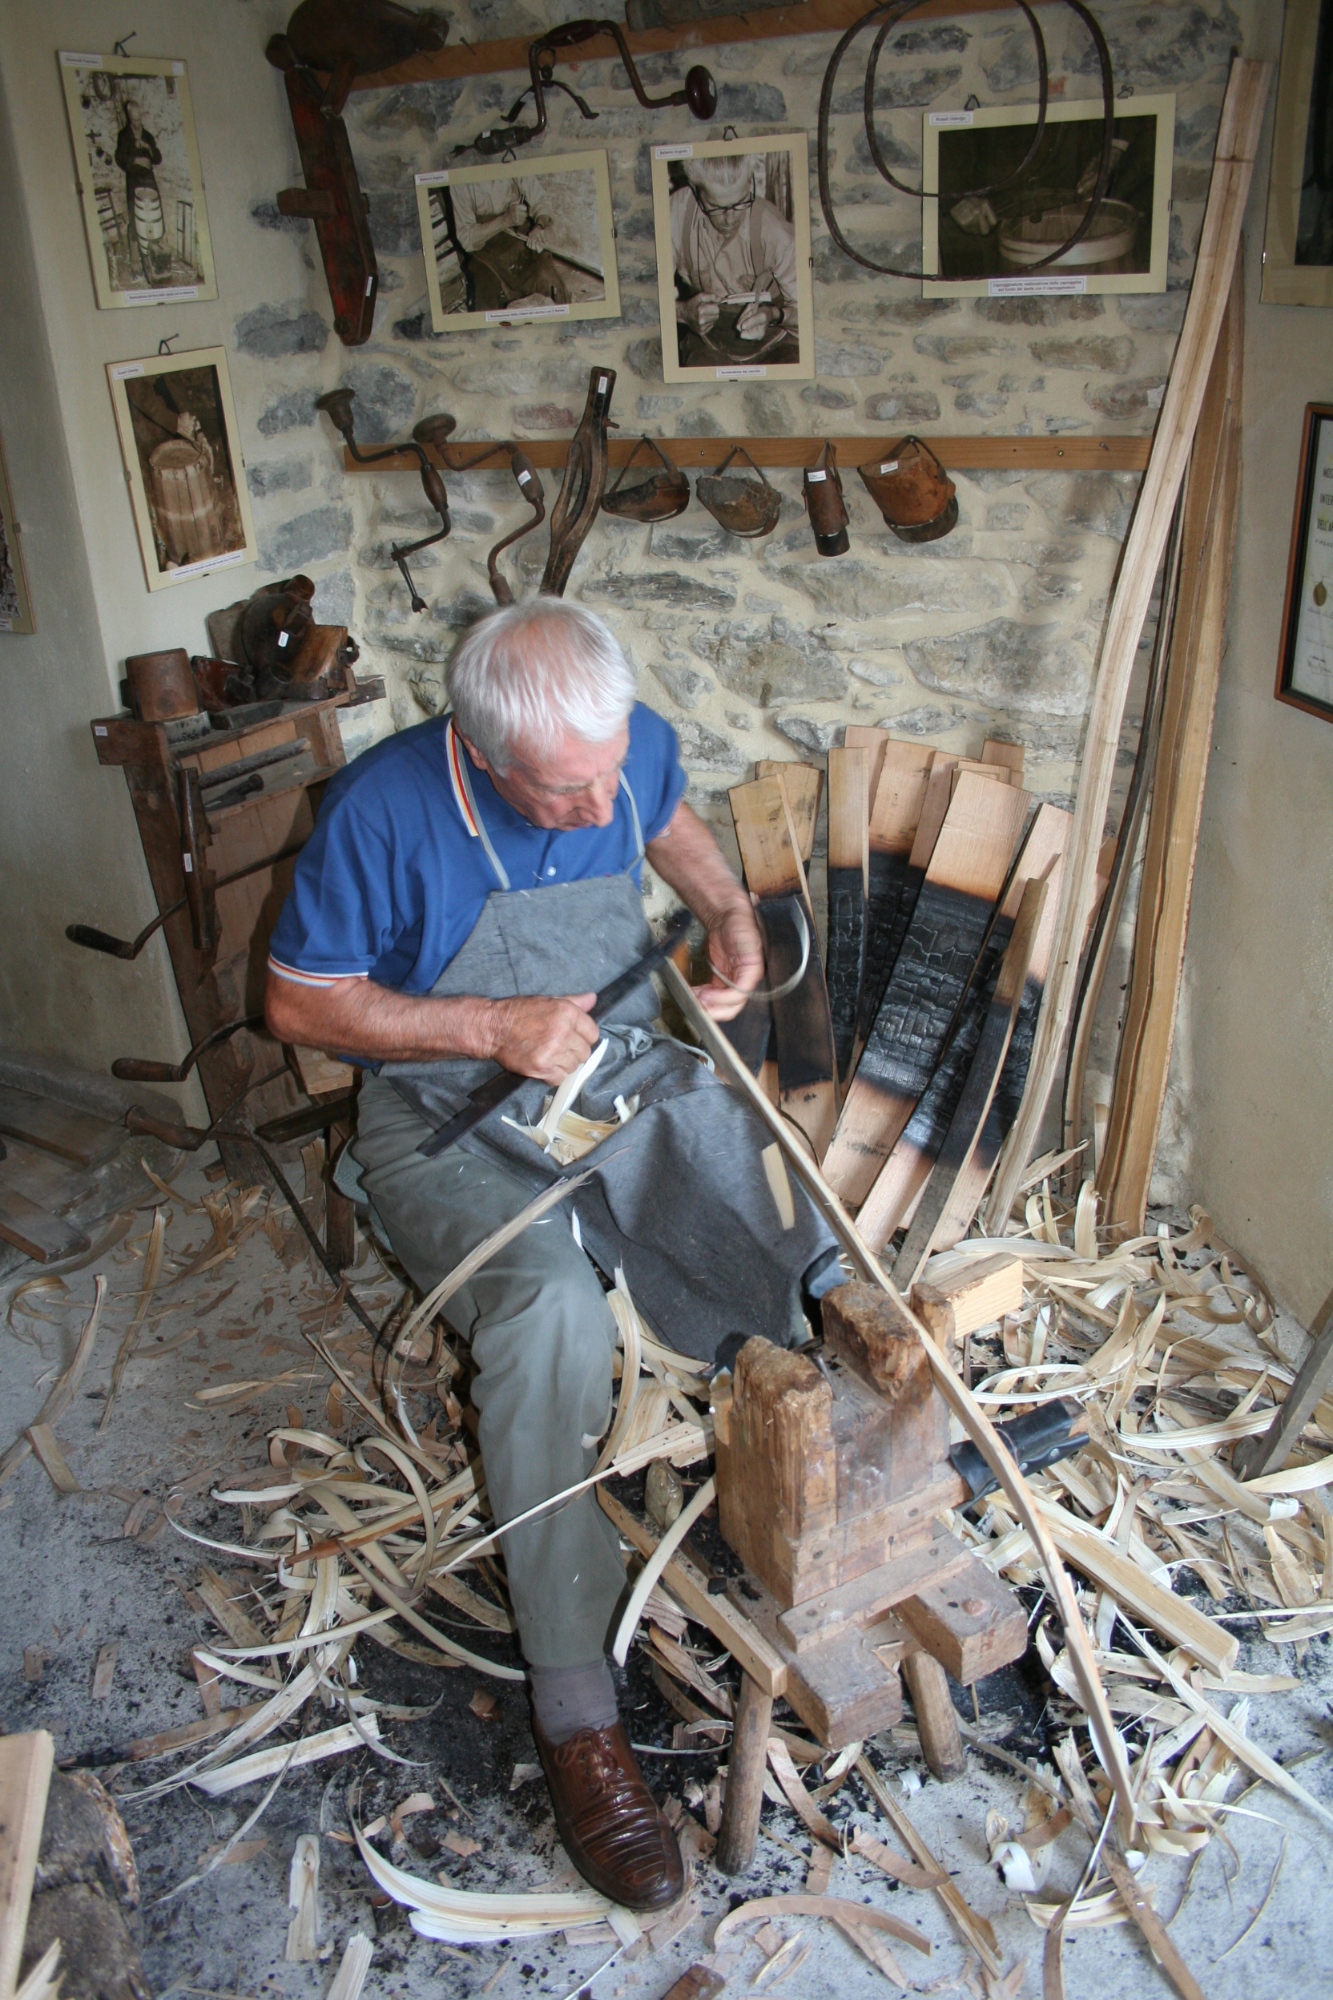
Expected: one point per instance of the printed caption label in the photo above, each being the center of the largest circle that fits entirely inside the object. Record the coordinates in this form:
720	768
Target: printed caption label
754	373
510	318
950	117
673	152
1041	284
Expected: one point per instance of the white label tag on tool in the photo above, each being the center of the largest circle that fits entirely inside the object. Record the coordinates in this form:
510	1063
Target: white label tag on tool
187	863
99	729
815	477
889	465
523	478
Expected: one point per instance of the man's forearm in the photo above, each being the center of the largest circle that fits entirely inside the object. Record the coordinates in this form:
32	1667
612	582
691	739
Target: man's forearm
689	860
355	1017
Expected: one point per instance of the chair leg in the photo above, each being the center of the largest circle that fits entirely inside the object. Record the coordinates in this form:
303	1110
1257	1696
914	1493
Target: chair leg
745	1779
936	1719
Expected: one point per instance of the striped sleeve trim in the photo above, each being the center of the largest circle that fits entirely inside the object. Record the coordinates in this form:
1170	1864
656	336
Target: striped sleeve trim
294	972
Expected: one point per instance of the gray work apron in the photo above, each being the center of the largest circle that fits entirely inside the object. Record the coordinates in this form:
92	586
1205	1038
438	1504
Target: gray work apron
679	1197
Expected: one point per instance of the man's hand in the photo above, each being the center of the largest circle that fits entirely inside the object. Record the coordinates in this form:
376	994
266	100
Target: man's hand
759	316
543	1038
736	949
700	312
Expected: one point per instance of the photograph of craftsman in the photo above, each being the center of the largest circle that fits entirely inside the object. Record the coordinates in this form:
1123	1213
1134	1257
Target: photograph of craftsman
499	237
471	884
733	250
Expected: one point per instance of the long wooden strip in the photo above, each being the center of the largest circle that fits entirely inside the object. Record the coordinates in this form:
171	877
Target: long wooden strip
966	873
1233	167
1212	500
848	872
905	1171
974	1929
974	1101
25	1776
956	1394
1174	1617
802	1024
897	803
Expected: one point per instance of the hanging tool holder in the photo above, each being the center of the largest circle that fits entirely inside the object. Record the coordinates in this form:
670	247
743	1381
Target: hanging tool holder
217	889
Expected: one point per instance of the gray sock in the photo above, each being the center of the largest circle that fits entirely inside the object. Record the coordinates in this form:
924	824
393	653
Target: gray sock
568	1699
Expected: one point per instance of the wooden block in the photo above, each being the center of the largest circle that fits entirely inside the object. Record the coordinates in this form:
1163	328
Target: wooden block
842	1691
981	769
848	882
803	784
897	801
322	1075
993	751
816	1620
25	1778
36	1233
983	1291
780	1431
972	1622
870	1334
688	1583
953	912
72	1135
802	1024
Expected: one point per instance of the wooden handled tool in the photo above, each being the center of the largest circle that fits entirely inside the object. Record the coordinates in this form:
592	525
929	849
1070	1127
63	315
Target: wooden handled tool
499	1088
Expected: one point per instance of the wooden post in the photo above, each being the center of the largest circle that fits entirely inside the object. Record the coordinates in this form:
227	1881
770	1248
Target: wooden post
339	1213
936	1720
25	1776
745	1779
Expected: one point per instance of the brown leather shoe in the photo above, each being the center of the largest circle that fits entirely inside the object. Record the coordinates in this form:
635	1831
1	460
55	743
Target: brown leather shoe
611	1829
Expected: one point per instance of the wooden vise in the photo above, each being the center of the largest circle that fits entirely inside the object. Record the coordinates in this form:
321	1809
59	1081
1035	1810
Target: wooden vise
830	1481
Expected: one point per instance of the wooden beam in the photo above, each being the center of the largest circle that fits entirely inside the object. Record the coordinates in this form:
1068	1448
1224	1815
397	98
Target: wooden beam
1233	168
953	911
25	1777
1212	502
960	454
848	872
814	17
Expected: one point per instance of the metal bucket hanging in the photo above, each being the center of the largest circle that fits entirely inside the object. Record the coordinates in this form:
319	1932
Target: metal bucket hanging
912	491
738	504
658	497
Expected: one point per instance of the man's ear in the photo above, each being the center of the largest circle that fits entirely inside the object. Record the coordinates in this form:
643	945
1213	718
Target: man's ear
475	754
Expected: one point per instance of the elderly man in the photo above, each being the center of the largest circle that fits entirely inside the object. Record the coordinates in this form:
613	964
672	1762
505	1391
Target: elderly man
734	256
469	887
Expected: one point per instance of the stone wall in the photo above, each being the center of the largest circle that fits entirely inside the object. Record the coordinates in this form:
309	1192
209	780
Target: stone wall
754	649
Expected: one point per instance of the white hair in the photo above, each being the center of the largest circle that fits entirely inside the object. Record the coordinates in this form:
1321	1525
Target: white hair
727	174
525	677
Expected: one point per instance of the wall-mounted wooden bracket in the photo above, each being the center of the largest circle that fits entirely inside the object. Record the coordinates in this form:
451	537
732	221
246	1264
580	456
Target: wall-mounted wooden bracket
959	454
815	17
333	201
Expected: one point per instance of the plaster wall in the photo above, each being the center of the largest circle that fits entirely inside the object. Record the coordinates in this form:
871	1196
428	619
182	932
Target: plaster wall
1251	1104
751	649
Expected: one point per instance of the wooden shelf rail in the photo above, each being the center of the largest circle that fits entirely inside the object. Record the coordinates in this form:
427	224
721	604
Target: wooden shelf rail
816	17
961	454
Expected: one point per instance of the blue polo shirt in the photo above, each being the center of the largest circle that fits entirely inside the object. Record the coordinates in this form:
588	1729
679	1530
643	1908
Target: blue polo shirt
396	874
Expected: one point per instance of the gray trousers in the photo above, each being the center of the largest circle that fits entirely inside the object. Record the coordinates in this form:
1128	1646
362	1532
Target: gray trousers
542	1339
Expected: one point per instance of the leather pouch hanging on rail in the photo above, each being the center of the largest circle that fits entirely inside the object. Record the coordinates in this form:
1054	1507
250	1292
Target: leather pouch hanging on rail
742	506
912	491
822	491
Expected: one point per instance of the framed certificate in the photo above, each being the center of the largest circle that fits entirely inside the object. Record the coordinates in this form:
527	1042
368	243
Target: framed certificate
1305	659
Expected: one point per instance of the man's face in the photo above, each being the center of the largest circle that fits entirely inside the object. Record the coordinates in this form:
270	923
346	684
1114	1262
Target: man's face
571	786
726	211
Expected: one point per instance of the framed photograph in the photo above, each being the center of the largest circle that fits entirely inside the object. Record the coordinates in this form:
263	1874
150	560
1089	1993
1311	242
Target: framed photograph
1305	657
988	244
528	240
15	603
139	179
178	438
1298	235
732	221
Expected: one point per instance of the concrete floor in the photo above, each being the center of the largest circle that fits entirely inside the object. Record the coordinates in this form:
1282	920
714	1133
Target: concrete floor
100	1567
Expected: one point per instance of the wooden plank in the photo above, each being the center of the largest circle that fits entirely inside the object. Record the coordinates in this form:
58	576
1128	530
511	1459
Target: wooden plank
1233	166
974	1101
848	882
958	454
25	1778
802	1023
47	1238
993	751
1212	498
898	803
842	1690
58	1128
728	1623
952	913
804	786
861	736
907	1168
816	1620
